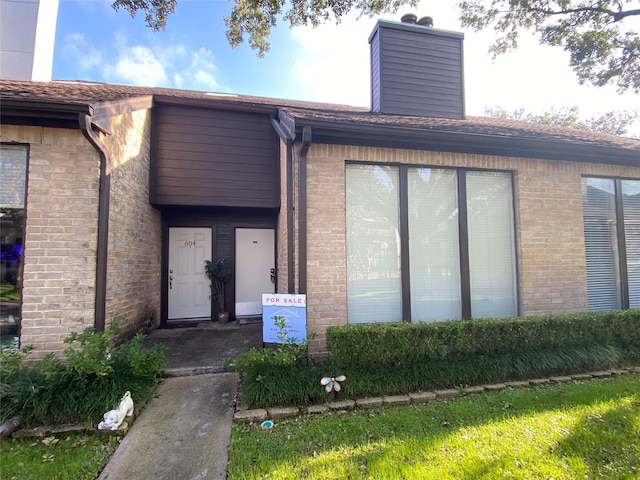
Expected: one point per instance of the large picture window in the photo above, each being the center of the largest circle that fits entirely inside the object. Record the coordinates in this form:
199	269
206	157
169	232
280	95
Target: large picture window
611	213
13	177
428	244
373	244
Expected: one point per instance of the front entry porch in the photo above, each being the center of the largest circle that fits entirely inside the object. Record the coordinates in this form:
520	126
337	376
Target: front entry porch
202	348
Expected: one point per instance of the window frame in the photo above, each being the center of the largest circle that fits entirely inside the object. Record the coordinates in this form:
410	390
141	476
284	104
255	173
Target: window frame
620	237
20	272
463	233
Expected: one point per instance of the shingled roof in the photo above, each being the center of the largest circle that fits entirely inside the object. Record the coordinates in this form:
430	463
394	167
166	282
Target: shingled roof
92	94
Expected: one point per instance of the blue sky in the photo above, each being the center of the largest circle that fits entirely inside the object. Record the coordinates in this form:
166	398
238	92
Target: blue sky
327	64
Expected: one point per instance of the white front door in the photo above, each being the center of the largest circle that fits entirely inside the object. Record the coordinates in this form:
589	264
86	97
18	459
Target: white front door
255	263
189	291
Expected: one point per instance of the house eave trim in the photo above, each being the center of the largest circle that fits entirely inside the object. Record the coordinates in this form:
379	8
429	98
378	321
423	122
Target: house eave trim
389	136
42	109
217	103
103	112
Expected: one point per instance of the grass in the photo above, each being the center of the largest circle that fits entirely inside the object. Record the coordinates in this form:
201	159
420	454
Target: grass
571	431
69	456
8	292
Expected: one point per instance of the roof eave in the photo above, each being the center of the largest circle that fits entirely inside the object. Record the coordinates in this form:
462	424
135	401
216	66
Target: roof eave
435	139
43	109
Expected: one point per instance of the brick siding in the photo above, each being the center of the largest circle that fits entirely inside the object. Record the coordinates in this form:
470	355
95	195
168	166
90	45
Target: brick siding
62	226
549	227
134	252
61	230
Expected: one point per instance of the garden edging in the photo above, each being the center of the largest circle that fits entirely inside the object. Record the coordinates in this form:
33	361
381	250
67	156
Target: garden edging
242	414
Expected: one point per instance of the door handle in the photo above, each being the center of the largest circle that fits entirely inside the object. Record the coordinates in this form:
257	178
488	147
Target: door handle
273	275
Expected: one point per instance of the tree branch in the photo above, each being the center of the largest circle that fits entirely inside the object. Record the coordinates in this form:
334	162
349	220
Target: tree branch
617	16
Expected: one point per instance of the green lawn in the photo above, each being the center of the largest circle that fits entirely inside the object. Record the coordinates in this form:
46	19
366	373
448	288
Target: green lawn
62	457
582	430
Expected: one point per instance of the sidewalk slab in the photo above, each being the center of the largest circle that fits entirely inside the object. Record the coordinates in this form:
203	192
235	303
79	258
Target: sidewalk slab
183	433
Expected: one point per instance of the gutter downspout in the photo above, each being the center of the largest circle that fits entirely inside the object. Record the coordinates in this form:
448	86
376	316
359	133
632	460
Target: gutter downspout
103	221
302	207
288	139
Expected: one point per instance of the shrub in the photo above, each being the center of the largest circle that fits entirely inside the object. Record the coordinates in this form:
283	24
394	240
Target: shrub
91	380
286	353
266	385
390	359
378	345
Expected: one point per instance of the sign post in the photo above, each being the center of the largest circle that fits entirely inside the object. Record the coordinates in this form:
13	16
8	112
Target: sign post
288	307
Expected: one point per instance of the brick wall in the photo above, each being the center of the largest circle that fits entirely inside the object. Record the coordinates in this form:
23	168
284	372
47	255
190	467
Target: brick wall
548	206
134	252
61	230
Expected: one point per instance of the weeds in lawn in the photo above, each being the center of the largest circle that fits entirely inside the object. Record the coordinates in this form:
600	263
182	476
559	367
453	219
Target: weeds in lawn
65	457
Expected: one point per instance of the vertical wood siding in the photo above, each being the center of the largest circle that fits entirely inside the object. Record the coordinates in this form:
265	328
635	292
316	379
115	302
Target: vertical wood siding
417	70
206	157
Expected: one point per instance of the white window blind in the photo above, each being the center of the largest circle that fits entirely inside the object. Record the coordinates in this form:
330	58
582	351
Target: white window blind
601	246
433	245
373	244
631	208
492	259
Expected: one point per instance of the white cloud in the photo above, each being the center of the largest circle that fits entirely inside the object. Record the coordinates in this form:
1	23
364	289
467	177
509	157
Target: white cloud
150	65
333	65
204	70
78	49
136	65
178	80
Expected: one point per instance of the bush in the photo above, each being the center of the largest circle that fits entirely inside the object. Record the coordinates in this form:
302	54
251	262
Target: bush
379	345
391	359
91	381
266	385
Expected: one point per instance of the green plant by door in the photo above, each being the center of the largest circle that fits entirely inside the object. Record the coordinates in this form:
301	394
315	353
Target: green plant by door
219	274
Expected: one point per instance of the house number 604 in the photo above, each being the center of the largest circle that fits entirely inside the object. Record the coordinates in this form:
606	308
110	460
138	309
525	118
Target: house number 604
190	243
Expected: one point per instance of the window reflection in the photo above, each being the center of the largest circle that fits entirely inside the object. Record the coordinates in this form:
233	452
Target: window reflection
13	171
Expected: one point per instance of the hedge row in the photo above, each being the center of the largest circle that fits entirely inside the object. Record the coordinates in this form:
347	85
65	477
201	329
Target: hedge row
267	385
374	346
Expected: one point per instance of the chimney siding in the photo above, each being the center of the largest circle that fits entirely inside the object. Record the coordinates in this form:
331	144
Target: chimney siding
416	70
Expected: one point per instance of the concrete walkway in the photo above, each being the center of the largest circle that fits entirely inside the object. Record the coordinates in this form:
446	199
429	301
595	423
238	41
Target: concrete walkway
183	433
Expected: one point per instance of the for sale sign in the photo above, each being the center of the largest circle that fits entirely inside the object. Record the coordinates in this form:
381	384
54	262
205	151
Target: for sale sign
288	310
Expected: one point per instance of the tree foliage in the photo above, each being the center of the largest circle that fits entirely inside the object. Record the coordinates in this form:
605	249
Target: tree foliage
603	48
613	123
155	11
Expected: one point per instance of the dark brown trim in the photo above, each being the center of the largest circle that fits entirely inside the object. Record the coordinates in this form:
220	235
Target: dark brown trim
516	243
622	245
43	109
164	269
463	245
103	221
441	140
104	111
302	209
218	102
288	139
291	244
405	266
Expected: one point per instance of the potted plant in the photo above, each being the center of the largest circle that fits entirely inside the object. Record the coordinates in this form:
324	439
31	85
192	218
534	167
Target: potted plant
219	273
